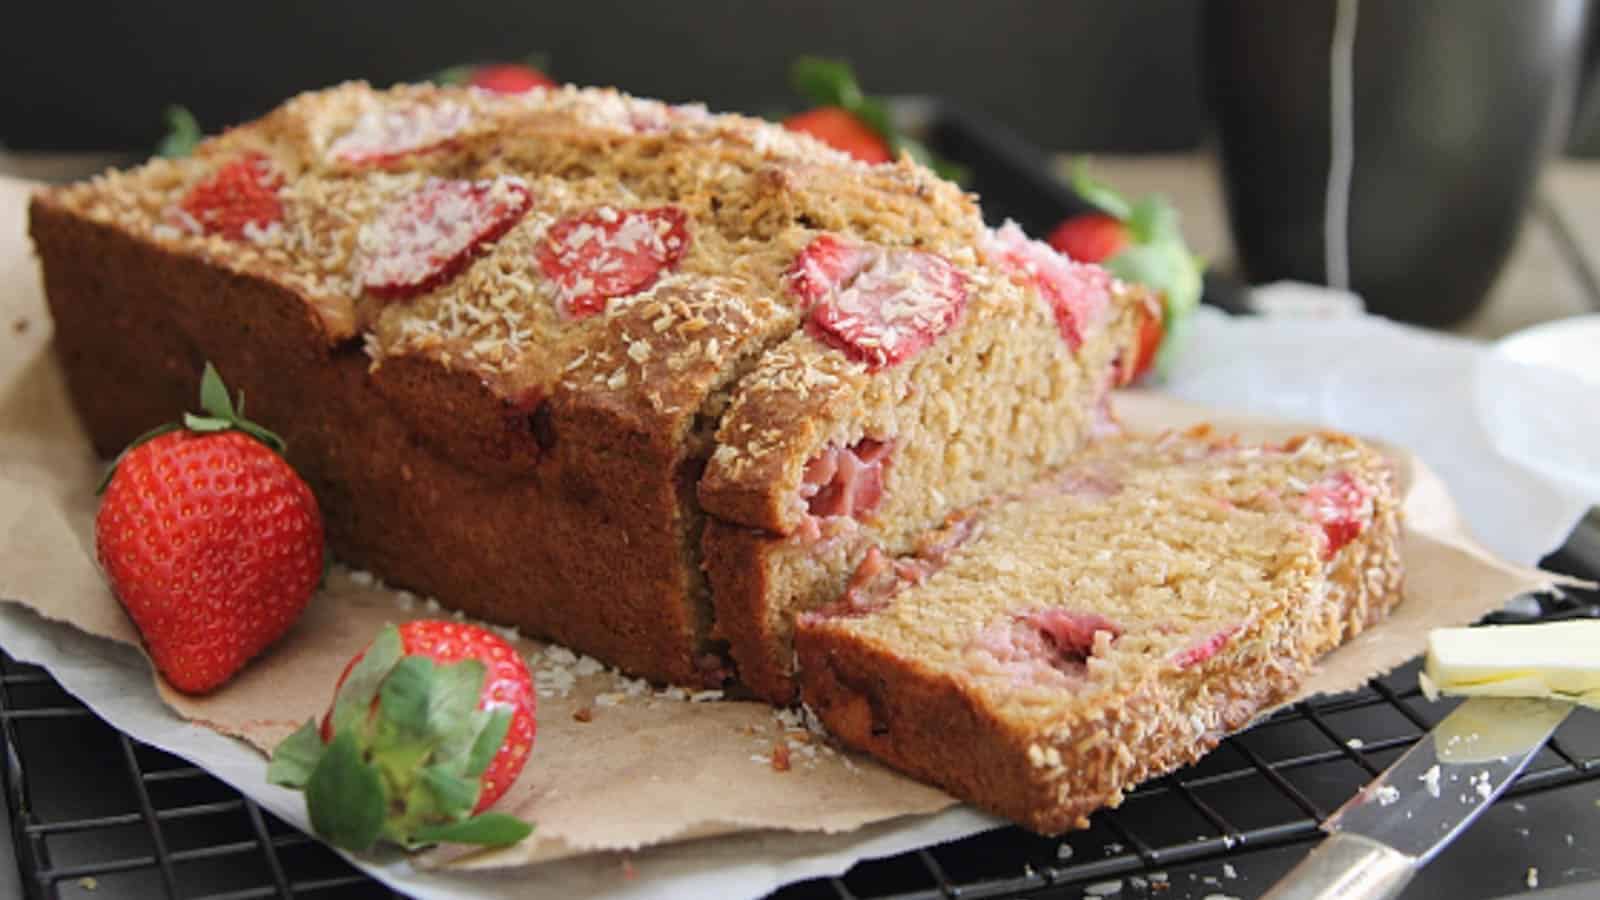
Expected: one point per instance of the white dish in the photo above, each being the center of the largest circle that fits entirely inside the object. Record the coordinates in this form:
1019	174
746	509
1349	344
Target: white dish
1572	345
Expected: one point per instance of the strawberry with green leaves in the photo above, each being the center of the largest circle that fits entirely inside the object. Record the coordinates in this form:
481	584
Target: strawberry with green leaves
842	130
429	726
500	77
1138	242
210	540
846	119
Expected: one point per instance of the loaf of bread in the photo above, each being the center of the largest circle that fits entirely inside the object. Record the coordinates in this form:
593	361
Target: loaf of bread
1043	653
634	377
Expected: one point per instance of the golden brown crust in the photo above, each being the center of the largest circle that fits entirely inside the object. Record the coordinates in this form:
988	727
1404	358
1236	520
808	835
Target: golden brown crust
1049	776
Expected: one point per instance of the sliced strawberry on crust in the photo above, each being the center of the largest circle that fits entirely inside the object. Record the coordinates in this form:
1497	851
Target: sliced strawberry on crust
241	194
384	134
1078	293
428	236
823	265
608	252
1343	506
877	306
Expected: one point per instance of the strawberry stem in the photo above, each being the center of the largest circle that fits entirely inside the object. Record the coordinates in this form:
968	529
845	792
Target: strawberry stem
221	415
409	740
832	82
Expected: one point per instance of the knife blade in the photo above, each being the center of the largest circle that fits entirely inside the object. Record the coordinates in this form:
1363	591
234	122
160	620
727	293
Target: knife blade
1401	820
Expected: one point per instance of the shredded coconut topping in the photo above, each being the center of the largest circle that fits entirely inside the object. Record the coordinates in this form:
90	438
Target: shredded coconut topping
386	131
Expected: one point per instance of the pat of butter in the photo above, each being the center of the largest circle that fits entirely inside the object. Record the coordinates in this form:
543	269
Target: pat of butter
1560	660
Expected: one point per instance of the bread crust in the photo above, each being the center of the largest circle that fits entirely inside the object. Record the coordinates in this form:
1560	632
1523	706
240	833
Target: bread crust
756	604
925	722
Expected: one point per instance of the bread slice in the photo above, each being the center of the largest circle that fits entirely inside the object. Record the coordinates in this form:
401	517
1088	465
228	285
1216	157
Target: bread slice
998	403
1044	653
521	345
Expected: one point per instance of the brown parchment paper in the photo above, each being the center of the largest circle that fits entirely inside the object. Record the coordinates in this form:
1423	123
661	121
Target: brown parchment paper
650	766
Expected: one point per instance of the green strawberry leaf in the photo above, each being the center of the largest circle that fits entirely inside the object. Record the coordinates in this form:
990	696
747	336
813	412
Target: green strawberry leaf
296	756
488	829
345	796
1147	264
205	423
488	743
1177	331
270	438
875	113
427	702
451	796
183	134
826	82
223	414
431	797
1099	194
1152	220
454	749
214	395
353	704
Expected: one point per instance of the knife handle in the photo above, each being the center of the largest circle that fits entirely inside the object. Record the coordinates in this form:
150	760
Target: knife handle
1347	866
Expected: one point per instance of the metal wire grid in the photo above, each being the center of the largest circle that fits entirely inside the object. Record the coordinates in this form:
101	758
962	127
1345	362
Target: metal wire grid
145	823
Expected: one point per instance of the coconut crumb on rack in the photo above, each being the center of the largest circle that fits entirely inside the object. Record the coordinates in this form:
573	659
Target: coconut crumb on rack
1430	780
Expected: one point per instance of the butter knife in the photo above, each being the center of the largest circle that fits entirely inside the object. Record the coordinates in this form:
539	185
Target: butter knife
1383	835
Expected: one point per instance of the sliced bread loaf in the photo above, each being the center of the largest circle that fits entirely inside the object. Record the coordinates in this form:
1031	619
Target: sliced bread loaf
1044	653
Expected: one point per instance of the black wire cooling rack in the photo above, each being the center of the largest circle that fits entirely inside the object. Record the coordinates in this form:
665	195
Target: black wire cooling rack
96	814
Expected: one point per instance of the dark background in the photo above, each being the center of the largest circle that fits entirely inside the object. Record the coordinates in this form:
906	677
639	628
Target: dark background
1079	75
1069	74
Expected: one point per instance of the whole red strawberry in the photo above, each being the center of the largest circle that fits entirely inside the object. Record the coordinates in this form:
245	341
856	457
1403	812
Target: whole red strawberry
1090	237
429	726
842	130
210	540
509	78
